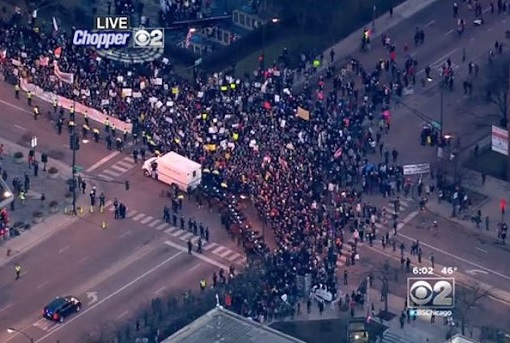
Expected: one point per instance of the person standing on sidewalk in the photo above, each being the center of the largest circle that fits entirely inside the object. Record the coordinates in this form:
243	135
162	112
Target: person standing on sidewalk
346	276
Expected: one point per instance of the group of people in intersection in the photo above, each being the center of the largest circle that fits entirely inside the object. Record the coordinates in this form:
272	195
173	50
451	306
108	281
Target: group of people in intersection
305	158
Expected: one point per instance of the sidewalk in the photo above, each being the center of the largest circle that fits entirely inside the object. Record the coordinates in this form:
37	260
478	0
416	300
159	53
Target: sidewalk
415	331
349	45
54	190
494	189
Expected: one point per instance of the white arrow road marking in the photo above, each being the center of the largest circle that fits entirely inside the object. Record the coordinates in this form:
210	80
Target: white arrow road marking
92	296
476	271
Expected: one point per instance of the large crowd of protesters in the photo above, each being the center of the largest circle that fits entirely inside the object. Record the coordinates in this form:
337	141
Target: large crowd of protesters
304	158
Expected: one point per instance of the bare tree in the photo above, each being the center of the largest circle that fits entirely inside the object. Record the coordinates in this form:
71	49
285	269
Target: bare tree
384	275
496	86
468	299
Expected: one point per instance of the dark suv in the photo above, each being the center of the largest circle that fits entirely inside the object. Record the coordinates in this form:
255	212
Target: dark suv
61	307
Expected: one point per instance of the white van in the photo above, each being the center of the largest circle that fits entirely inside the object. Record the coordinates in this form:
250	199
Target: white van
172	168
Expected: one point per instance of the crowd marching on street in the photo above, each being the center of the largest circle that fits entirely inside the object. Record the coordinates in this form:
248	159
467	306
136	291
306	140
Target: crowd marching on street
306	159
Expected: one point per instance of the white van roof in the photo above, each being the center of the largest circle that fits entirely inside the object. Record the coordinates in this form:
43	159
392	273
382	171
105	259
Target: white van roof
179	162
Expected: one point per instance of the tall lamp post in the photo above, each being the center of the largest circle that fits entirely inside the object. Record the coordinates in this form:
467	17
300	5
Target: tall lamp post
13	330
264	28
74	144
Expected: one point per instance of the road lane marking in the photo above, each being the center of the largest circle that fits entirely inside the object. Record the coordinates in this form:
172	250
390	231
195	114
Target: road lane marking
123	314
171	229
102	161
430	23
130	213
119	168
112	173
234	256
225	253
83	259
194	267
105	178
14	106
105	299
146	220
5	307
178	233
437	63
63	249
444	252
199	256
209	246
154	223
449	32
20	127
480	249
125	234
218	250
195	239
162	226
159	290
186	236
41	285
503	296
138	217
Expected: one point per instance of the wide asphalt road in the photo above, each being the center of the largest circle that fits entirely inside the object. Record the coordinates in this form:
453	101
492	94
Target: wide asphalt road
114	272
92	251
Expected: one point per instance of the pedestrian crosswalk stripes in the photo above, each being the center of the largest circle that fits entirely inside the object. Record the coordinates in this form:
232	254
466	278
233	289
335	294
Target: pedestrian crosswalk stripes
105	178
130	213
146	220
234	256
390	337
183	235
117	169
382	226
177	233
209	246
154	223
171	229
138	217
161	226
45	325
186	236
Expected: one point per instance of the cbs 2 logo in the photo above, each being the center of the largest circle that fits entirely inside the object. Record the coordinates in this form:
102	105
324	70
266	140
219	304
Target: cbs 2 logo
150	38
431	292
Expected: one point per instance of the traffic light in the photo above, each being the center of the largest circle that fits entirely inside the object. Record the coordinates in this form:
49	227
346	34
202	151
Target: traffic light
127	185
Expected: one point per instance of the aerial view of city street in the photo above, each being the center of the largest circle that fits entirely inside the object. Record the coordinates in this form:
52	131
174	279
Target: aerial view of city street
254	171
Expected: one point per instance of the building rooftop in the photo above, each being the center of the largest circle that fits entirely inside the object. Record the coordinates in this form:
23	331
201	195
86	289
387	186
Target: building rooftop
220	325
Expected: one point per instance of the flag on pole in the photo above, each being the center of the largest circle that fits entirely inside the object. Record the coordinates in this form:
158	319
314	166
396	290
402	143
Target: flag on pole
55	25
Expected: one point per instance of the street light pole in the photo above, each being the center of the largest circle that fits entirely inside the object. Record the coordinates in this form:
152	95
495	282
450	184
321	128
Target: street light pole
13	330
441	114
74	145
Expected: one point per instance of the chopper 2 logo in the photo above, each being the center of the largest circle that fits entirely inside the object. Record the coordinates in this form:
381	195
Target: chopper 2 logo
115	32
431	293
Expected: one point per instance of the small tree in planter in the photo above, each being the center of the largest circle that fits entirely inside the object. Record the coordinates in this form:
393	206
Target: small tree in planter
37	217
53	205
18	157
53	173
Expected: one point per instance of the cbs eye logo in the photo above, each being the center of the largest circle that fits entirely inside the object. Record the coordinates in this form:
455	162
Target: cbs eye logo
435	293
148	38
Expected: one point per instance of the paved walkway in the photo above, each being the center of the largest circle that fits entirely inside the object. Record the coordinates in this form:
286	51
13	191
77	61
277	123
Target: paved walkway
54	190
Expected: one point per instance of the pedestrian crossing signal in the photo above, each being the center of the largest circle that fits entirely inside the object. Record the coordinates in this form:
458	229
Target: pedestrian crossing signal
127	185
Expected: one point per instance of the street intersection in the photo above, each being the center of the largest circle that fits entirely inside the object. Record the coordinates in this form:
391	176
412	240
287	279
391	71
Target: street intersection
117	270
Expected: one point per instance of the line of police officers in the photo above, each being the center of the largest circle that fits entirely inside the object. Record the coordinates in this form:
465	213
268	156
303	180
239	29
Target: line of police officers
109	128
